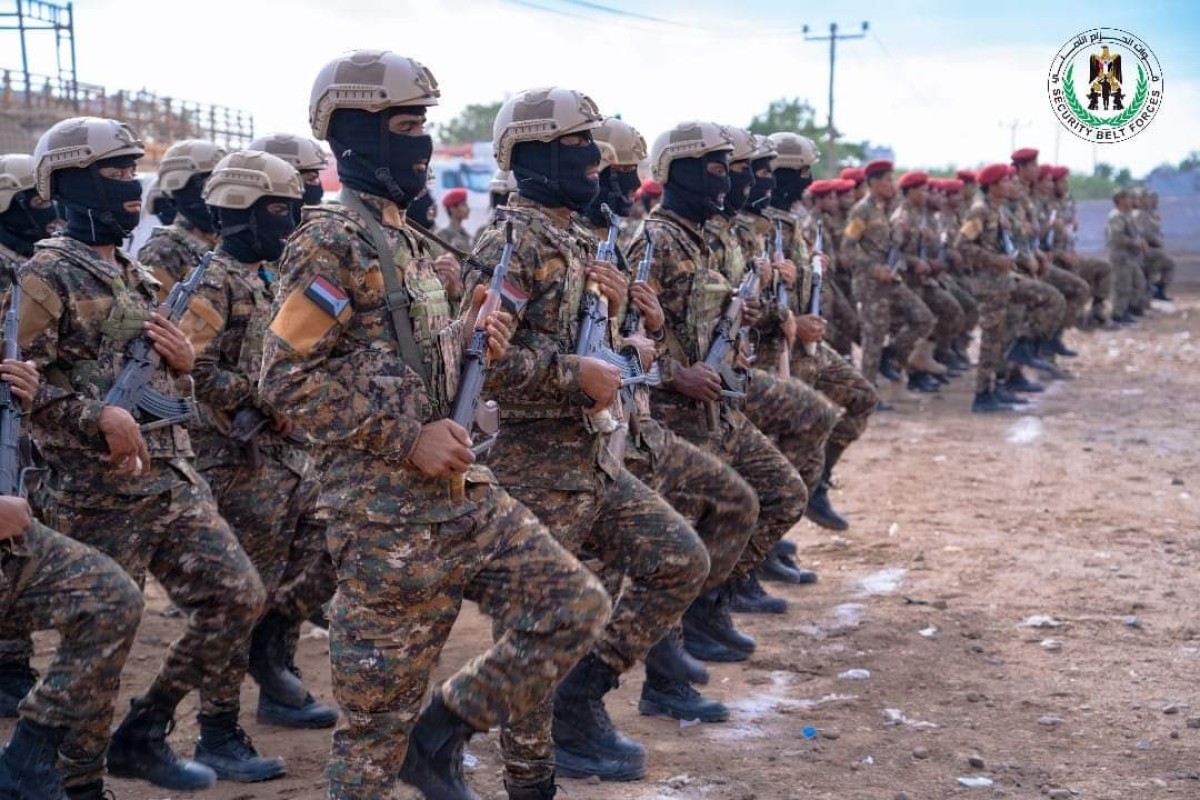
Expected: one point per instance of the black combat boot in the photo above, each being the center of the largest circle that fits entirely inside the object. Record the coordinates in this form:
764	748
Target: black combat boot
1011	398
887	366
1160	293
783	569
663	696
17	678
987	403
749	597
820	510
546	790
434	762
1058	347
669	658
90	791
27	762
227	750
282	698
586	743
708	630
1024	352
786	547
1017	382
139	749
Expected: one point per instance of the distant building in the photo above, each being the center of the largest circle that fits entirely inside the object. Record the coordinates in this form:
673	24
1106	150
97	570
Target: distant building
1170	182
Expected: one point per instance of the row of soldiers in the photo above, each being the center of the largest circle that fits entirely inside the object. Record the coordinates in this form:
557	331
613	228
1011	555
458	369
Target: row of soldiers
661	411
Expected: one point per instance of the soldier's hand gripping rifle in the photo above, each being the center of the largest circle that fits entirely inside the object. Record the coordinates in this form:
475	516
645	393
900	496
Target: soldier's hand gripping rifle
818	274
780	290
1048	239
722	350
465	410
131	390
633	317
12	473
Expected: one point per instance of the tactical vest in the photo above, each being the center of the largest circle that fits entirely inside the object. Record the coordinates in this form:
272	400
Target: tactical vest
709	292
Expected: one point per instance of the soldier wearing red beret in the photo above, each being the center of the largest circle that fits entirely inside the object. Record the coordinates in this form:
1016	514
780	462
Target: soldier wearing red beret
1060	241
948	213
457	209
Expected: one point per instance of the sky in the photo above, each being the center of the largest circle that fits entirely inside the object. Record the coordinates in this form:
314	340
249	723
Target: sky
939	82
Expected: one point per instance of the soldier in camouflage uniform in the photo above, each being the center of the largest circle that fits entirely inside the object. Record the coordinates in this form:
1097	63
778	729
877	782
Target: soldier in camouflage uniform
1126	249
172	251
691	160
23	215
1096	271
828	217
304	154
885	302
139	500
53	583
457	209
946	207
1159	267
260	476
362	355
561	458
719	504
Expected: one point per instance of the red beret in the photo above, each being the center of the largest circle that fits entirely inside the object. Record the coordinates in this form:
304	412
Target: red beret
951	185
1012	171
855	174
1060	173
967	176
1024	154
844	185
911	180
1045	171
650	188
454	197
822	187
992	173
877	167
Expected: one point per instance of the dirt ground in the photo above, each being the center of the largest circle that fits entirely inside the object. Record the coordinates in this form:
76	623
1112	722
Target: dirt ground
1083	509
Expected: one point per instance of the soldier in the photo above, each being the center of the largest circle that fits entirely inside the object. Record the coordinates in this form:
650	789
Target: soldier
172	251
362	356
868	246
859	176
24	216
954	278
159	205
842	329
499	189
260	476
559	457
1159	267
139	500
54	583
980	241
458	210
691	161
912	232
1126	249
304	154
970	180
1096	271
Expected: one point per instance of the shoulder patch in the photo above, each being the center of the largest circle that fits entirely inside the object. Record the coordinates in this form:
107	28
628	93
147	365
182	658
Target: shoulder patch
301	321
971	229
855	229
327	296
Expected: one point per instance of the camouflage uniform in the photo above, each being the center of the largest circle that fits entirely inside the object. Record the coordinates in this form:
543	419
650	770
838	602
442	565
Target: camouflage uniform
1125	253
172	251
912	232
455	234
574	479
1045	306
267	507
1097	272
979	240
843	331
54	583
1158	266
867	240
10	263
1074	289
692	291
78	311
955	276
408	549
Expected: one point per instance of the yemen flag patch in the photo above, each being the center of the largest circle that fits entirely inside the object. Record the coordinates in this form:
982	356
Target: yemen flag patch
327	296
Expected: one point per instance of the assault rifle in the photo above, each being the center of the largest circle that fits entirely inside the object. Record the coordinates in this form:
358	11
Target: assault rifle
1048	239
633	317
12	474
131	390
814	302
726	336
781	289
894	262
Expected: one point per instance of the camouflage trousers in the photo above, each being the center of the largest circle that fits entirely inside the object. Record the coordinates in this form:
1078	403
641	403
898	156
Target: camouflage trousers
1098	274
993	292
270	512
959	287
1036	309
51	582
633	532
888	308
796	417
180	538
1159	267
843	330
1129	283
949	318
401	582
1075	291
837	380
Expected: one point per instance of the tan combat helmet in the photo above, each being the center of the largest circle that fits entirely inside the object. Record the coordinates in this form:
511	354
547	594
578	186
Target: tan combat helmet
620	144
79	142
744	143
244	176
794	151
764	148
185	159
301	152
503	182
16	175
541	115
369	80
687	140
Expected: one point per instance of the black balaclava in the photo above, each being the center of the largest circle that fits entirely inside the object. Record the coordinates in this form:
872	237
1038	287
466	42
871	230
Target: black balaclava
760	192
740	184
255	234
96	205
418	211
164	209
372	159
616	191
23	225
789	187
556	176
191	205
314	193
691	192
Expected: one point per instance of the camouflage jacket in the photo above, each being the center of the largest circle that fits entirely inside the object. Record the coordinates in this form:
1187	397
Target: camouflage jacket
867	237
79	313
456	235
912	232
754	234
1025	221
331	362
1149	226
980	238
10	264
172	251
795	248
1121	235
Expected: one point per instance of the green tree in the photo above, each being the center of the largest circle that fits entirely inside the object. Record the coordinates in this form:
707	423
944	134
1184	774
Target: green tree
1104	171
1124	177
799	116
1192	161
474	124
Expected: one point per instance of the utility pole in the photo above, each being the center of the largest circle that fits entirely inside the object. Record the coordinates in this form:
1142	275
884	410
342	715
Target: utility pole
1012	131
833	38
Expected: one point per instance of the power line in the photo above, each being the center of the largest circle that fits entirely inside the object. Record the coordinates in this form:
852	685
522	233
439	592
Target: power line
622	13
558	11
